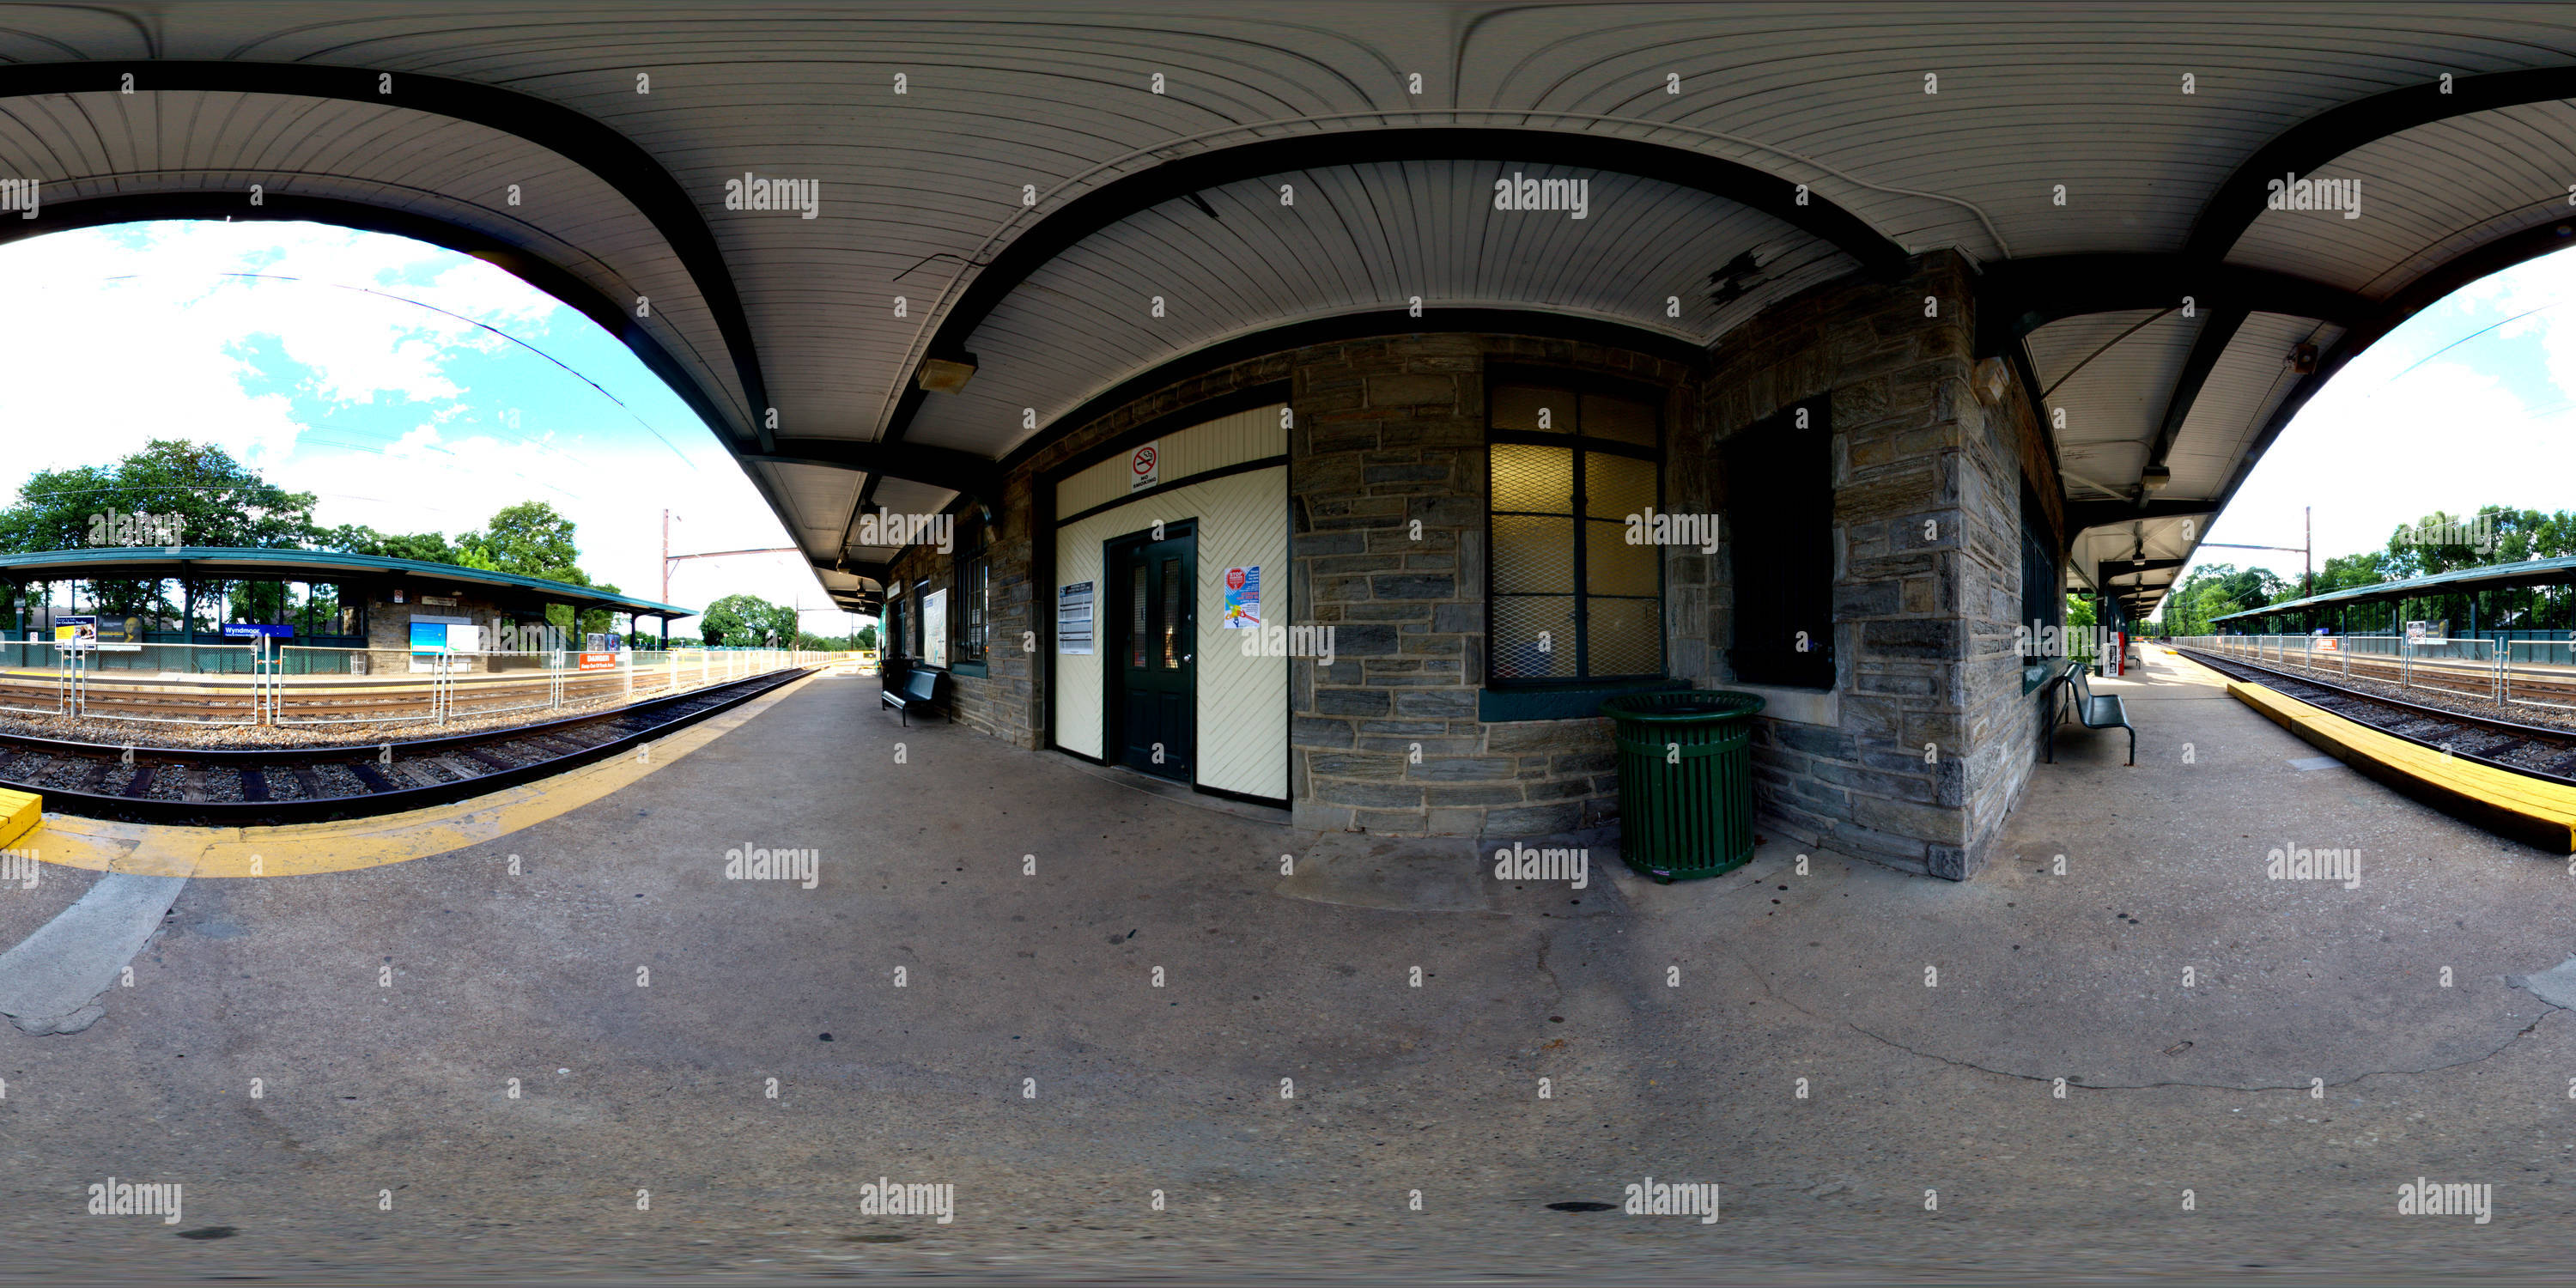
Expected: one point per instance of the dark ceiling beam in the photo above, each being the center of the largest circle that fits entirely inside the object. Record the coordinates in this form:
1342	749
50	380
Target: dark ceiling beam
2217	332
2132	567
940	467
1536	323
881	574
2417	295
1174	180
2018	296
593	145
2316	142
2083	515
1121	199
1533	322
2301	150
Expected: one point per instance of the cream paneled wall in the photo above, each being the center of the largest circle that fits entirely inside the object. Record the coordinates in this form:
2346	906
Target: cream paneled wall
1253	435
1242	701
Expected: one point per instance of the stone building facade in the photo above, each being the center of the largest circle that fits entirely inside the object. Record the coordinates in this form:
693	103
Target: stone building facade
1912	756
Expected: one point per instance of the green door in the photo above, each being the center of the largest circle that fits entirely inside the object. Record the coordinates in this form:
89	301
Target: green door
1157	698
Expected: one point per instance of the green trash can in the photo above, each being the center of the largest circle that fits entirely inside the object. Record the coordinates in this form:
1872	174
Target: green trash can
1685	780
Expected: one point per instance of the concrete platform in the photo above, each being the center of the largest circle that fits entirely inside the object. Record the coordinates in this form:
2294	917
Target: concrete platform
2314	1063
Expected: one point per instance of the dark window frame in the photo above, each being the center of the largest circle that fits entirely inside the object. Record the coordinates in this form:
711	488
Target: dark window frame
2043	604
1577	444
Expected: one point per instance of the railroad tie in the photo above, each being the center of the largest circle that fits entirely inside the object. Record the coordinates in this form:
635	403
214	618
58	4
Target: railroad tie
141	785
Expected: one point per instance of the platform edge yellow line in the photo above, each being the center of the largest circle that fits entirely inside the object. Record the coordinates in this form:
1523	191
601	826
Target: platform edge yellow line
2526	809
308	849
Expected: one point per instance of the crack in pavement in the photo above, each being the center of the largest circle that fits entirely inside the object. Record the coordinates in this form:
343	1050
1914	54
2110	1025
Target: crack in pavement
2493	1052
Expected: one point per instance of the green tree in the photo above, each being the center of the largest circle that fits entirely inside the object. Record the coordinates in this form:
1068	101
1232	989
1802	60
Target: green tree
2343	572
746	621
217	500
2215	590
530	539
359	539
209	498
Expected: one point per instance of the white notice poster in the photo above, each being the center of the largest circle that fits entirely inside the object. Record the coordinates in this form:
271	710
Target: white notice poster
1073	619
934	628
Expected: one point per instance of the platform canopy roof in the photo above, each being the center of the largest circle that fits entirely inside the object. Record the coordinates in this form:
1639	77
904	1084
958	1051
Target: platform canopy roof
213	563
1027	178
2501	576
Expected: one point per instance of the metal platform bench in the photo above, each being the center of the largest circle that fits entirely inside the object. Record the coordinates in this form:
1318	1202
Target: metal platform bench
2103	711
920	690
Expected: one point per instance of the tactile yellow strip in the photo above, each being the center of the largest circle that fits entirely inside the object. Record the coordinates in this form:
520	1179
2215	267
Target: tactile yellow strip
304	849
2515	805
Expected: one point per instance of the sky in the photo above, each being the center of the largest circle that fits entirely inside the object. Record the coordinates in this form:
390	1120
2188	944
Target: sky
2450	411
305	351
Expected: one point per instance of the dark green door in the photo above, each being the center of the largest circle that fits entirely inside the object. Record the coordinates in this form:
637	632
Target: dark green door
1157	697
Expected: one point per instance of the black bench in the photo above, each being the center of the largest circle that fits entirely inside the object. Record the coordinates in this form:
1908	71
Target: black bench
919	689
2104	711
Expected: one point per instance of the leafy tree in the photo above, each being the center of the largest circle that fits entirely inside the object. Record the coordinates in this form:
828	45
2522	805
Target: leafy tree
530	539
746	621
866	639
2343	572
218	501
2215	590
359	539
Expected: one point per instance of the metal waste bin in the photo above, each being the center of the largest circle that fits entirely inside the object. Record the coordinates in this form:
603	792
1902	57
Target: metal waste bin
1685	780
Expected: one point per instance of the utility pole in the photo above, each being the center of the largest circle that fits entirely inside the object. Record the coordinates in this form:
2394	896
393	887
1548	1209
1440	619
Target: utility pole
2307	556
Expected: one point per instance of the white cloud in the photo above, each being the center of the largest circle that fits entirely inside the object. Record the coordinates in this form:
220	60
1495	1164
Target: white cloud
2388	441
117	336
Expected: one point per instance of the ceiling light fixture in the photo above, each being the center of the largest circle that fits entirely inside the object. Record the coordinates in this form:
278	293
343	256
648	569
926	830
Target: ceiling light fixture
946	375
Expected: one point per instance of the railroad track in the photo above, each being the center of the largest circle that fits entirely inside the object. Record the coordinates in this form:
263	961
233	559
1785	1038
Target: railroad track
216	701
266	786
2537	684
2531	750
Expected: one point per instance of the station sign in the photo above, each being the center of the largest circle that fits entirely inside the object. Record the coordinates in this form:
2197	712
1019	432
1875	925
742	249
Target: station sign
445	637
249	630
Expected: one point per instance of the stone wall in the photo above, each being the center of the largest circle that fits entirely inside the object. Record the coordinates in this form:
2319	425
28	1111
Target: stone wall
999	698
1390	434
1927	739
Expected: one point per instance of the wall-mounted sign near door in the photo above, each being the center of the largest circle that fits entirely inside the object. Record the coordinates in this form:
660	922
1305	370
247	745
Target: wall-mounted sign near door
1145	467
1073	619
